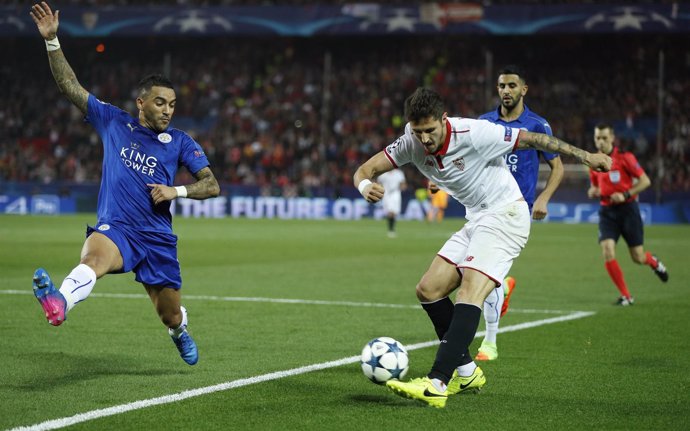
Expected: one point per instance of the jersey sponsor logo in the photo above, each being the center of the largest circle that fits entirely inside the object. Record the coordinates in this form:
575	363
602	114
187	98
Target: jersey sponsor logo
512	161
165	138
137	160
459	163
198	153
508	134
104	227
615	176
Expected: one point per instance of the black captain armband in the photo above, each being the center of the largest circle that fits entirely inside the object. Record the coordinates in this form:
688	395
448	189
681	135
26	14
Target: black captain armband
626	194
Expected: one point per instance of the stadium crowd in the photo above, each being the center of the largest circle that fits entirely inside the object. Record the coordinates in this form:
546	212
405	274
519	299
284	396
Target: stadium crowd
292	115
203	3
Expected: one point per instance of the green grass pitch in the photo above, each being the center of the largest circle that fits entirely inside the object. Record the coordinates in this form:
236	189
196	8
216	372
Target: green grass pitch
620	368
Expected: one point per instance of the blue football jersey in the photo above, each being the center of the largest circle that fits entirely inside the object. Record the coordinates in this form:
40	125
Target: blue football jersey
134	156
524	164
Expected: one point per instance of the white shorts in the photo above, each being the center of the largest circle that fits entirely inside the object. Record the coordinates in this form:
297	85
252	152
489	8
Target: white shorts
391	203
491	242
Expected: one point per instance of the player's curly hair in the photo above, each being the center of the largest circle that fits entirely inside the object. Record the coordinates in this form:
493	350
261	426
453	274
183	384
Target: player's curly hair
154	80
422	104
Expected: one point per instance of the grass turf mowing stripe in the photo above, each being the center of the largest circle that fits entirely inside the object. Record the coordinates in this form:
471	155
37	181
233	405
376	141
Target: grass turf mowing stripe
166	399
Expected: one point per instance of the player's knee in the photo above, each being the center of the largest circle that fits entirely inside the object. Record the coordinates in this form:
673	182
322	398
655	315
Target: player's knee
609	254
96	263
429	291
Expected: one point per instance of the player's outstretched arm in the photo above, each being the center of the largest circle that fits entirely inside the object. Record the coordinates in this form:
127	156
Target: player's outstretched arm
47	24
540	141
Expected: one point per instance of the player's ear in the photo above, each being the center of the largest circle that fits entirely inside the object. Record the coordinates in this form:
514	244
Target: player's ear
524	89
140	103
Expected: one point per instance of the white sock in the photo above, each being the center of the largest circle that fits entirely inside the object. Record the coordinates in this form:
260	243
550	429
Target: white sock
77	286
180	329
492	313
439	385
467	369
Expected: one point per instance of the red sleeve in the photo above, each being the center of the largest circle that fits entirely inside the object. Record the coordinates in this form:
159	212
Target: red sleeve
632	166
593	178
390	158
517	141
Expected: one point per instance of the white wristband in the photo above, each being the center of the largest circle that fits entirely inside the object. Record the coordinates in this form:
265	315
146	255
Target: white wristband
53	44
181	191
362	185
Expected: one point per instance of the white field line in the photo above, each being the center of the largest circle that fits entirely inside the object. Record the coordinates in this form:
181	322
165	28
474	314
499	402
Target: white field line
167	399
281	301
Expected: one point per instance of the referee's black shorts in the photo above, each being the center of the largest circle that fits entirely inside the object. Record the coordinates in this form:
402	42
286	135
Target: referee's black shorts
623	219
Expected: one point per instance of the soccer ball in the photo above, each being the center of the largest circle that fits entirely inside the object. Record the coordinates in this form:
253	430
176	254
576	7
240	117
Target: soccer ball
383	359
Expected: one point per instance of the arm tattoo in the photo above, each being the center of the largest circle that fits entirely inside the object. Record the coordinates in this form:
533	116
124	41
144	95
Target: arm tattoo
66	80
206	185
551	144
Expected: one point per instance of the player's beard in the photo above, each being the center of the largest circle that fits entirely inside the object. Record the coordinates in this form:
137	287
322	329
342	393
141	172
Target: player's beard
512	104
162	124
158	125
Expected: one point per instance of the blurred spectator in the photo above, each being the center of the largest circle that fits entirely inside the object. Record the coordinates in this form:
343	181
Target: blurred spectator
268	115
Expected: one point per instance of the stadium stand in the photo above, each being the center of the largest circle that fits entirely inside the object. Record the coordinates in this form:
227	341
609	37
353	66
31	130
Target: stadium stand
269	115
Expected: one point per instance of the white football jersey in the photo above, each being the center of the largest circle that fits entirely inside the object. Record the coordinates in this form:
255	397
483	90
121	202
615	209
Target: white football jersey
391	180
392	197
470	166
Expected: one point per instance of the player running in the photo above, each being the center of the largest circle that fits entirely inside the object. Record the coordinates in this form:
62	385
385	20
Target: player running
619	214
394	183
524	165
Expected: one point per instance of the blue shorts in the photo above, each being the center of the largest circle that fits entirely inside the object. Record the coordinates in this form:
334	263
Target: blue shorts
623	219
152	256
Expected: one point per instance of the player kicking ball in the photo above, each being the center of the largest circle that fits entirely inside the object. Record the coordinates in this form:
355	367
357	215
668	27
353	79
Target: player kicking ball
134	227
464	157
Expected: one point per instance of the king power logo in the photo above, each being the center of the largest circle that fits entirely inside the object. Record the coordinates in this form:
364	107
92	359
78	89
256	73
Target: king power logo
512	162
138	161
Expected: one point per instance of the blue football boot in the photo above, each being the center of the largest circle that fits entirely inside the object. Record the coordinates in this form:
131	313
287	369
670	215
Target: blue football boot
53	303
